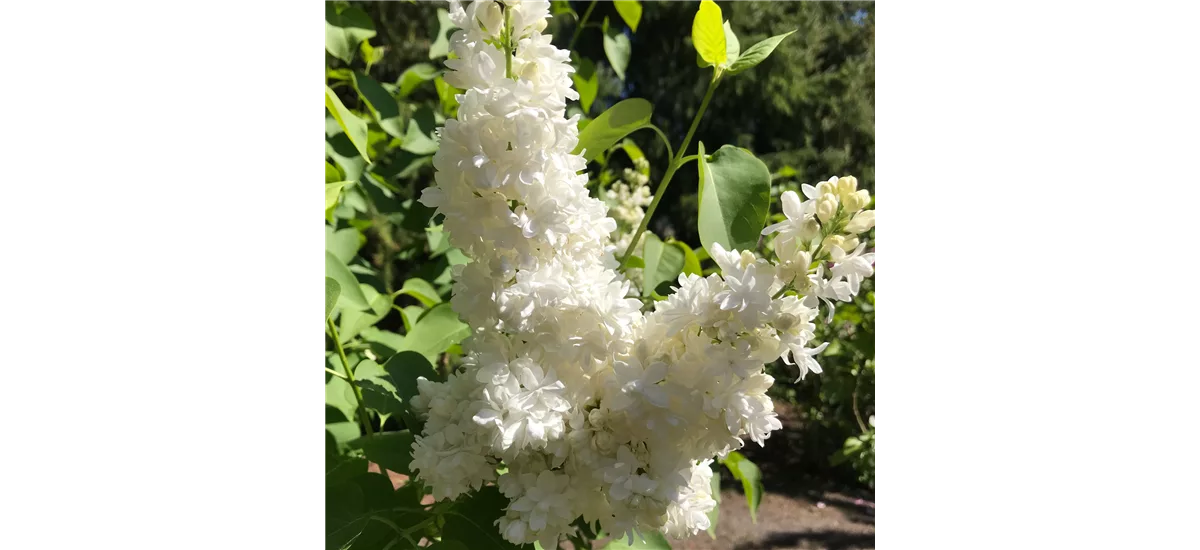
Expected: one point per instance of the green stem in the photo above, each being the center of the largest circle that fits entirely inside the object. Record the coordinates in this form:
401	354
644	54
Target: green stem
663	137
675	164
579	28
508	49
688	159
362	409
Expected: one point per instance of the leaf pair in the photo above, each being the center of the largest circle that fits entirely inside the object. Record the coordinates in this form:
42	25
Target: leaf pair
717	45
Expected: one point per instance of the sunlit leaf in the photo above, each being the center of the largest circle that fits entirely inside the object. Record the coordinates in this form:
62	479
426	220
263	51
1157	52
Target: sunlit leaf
612	125
708	33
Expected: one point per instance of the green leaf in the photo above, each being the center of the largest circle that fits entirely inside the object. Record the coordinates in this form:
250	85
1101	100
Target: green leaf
441	41
391	450
333	191
735	195
343	506
419	138
630	11
383	106
383	343
378	391
447	96
344	29
635	153
732	47
346	426
368	513
422	290
334	415
344	243
435	331
663	263
715	513
353	322
371	54
404	368
472	521
353	127
587	83
344	154
351	293
708	34
636	261
652	540
414	76
332	290
338	74
344	470
409	315
617	49
757	53
612	125
691	263
439	242
751	477
332	174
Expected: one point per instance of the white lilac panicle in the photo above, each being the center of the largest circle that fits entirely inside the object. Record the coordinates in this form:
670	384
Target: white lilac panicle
595	409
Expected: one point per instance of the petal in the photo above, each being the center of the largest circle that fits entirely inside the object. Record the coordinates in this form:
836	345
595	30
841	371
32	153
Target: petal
791	206
773	228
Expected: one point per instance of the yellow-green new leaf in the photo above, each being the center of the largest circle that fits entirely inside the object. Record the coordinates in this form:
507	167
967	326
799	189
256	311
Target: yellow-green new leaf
333	191
757	53
630	11
351	125
708	33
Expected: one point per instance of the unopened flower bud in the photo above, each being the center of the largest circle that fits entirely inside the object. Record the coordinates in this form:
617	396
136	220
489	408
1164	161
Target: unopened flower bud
862	221
832	241
856	201
809	230
847	185
827	187
826	207
491	18
849	244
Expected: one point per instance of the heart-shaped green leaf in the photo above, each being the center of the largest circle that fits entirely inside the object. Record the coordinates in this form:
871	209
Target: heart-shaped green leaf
735	195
